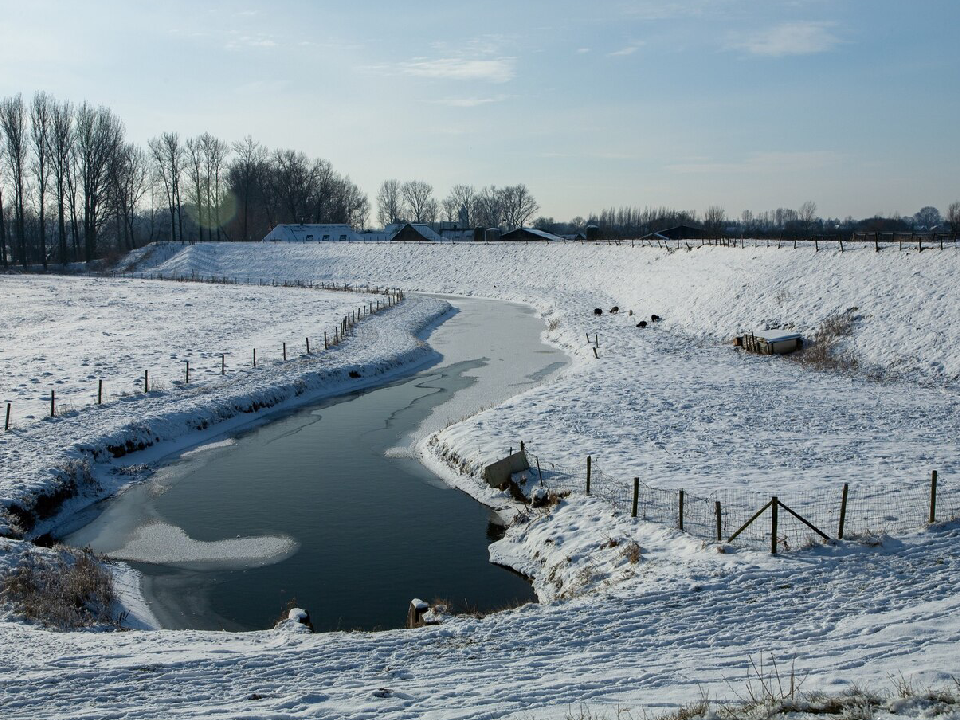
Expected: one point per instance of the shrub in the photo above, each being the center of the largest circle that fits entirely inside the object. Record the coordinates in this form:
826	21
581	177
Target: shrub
64	590
824	353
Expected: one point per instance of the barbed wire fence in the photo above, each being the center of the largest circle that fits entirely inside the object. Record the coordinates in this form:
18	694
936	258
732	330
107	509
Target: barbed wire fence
796	519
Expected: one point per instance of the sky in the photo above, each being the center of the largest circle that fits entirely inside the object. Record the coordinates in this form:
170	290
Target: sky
745	104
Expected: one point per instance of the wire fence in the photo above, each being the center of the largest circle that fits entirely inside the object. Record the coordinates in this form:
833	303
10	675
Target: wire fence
794	520
187	374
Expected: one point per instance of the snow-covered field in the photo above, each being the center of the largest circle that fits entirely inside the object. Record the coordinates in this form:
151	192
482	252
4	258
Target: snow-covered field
66	333
672	403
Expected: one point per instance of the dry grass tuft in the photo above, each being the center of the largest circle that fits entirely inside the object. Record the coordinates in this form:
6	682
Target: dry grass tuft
66	590
824	353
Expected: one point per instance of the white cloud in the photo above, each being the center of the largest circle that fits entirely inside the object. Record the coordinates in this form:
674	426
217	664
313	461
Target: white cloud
242	41
582	51
794	38
469	102
499	70
628	50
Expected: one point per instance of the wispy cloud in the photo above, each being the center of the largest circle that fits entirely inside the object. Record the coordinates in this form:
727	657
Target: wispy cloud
498	70
793	38
582	51
250	41
469	102
761	163
628	50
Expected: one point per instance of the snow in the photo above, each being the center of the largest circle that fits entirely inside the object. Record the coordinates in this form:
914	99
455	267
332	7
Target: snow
634	615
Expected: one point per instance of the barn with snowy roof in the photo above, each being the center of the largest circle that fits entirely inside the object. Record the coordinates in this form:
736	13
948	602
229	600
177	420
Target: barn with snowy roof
525	233
415	232
311	233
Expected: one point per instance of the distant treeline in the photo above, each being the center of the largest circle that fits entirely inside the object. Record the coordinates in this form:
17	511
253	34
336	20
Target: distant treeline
634	222
72	188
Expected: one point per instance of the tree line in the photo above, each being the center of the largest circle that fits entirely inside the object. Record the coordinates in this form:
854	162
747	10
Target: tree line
73	188
509	207
634	222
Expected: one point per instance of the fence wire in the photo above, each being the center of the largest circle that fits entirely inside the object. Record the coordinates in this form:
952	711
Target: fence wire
868	513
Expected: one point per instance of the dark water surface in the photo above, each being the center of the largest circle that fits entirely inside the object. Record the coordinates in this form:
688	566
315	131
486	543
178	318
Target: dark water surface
312	509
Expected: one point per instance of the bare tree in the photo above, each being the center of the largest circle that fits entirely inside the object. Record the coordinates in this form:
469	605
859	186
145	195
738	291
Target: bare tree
13	123
168	159
40	122
245	174
418	201
806	215
389	203
953	216
99	137
215	152
130	170
928	217
458	205
195	156
60	147
517	205
713	220
3	228
488	208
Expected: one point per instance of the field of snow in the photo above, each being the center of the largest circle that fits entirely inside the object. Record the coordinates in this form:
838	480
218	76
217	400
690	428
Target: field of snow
619	628
66	333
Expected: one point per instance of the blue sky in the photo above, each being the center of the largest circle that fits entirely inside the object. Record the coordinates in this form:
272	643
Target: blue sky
747	104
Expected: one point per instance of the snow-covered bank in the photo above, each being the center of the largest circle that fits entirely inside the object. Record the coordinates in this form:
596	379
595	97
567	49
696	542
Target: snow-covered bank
48	462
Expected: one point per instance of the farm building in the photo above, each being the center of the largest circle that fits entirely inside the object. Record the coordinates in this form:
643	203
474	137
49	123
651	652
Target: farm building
311	233
526	234
770	342
415	232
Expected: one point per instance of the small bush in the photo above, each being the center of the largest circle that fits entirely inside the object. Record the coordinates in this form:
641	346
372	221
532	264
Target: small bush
631	552
824	353
66	590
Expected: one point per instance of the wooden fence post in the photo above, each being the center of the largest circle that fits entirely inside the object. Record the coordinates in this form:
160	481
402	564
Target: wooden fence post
539	472
188	372
254	357
146	381
326	346
100	392
717	510
636	496
284	352
774	503
223	363
680	514
6	424
589	469
308	346
933	497
53	406
843	511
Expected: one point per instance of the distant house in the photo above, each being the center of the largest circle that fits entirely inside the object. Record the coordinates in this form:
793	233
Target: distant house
526	234
680	232
311	233
415	232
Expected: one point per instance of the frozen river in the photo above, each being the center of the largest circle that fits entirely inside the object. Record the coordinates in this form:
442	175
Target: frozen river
327	507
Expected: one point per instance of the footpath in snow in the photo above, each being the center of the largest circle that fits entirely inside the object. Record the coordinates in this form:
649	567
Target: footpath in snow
635	614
